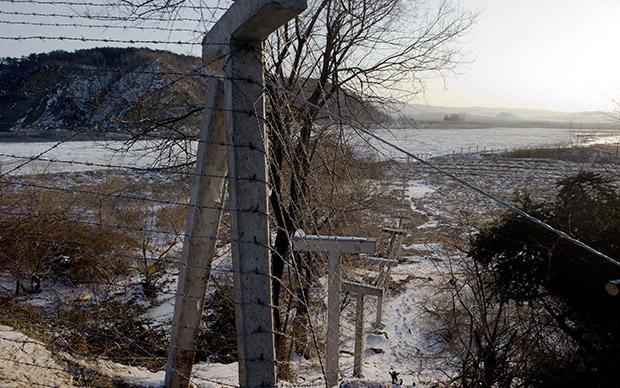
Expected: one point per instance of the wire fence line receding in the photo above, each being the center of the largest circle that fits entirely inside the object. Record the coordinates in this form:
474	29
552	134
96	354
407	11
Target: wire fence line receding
454	177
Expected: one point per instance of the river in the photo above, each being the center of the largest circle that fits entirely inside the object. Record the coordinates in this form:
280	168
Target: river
93	155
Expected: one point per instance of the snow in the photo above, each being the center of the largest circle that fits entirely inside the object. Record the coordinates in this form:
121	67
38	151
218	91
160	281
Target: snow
428	247
205	375
431	224
426	142
401	340
163	311
27	362
364	384
418	189
601	138
74	156
376	342
404	337
438	142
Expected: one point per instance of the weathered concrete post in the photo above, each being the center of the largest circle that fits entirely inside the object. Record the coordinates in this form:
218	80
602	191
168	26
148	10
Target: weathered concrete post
334	246
359	335
396	236
207	198
239	35
250	223
235	45
332	348
360	290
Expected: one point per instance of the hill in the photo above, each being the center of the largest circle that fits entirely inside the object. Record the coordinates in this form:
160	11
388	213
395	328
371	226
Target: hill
114	90
502	116
97	90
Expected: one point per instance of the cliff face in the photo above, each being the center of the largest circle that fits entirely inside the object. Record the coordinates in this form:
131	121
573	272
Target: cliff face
100	90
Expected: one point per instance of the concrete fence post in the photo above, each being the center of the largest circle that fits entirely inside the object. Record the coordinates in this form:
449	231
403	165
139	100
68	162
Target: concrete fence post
234	44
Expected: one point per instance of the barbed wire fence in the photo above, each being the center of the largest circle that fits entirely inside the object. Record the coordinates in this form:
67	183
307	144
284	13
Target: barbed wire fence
89	257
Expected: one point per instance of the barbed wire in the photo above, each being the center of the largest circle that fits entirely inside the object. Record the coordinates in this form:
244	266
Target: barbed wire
102	40
128	196
168	293
206	63
49	347
249	333
178	263
295	273
211	269
154	169
107	17
452	176
158	202
463	166
192	73
49	149
101	26
108	5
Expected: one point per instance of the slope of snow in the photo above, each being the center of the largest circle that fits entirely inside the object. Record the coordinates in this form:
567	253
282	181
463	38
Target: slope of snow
206	375
26	362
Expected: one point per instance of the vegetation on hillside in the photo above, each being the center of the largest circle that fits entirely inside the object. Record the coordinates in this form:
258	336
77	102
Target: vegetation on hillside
100	89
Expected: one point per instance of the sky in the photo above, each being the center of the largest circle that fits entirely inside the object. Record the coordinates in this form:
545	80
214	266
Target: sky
539	54
550	54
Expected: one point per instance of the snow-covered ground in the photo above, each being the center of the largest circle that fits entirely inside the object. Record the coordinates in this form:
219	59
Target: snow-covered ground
405	342
402	339
71	156
207	375
440	203
436	142
25	362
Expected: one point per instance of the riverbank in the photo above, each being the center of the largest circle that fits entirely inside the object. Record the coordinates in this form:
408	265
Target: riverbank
51	136
421	124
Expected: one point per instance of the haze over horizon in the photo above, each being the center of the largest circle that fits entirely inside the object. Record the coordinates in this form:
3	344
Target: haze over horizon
552	55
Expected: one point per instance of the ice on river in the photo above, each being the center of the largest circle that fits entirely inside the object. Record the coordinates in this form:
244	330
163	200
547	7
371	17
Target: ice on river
438	142
94	155
72	156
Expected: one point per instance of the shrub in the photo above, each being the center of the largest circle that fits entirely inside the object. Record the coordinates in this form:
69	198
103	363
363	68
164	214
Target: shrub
552	287
217	341
43	235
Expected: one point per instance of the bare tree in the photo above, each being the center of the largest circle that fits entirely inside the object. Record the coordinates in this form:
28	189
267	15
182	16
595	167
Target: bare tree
341	55
353	58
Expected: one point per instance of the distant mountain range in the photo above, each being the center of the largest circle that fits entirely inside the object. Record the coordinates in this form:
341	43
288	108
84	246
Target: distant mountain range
422	112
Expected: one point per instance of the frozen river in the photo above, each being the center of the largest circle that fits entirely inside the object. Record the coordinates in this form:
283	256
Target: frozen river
92	155
437	142
73	156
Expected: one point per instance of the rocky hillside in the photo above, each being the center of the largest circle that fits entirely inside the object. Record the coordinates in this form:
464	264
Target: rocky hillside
100	90
114	90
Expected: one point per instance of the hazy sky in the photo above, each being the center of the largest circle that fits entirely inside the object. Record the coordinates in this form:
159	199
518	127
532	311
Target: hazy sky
548	54
551	54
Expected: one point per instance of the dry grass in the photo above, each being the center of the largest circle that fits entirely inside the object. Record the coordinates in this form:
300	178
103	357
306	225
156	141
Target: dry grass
359	200
43	236
93	245
589	154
